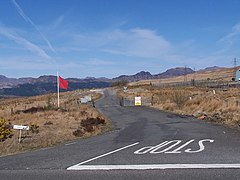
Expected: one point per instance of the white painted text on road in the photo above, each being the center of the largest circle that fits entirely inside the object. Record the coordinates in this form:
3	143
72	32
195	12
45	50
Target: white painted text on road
174	147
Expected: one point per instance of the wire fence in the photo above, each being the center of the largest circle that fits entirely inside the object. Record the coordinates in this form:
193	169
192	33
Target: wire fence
199	83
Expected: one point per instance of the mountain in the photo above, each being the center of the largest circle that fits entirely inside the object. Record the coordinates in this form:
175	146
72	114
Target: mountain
136	77
12	82
10	87
179	71
48	84
213	68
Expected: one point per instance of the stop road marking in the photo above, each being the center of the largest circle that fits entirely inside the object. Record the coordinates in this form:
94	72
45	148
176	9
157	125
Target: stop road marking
174	147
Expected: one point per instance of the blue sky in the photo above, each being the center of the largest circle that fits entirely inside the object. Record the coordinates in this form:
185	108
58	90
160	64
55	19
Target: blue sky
108	38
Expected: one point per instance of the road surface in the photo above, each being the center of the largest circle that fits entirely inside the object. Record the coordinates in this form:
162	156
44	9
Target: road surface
145	144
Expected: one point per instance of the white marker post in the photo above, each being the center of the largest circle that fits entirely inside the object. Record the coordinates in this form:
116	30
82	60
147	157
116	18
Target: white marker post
20	128
58	91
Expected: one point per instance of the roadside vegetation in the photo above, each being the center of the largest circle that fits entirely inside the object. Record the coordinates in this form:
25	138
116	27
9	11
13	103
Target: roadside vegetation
221	105
218	105
48	124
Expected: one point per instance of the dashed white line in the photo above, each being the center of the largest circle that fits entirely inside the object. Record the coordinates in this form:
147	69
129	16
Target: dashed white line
70	144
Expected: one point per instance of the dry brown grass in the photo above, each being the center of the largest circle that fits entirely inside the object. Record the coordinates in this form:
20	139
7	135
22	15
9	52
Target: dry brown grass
222	107
221	74
55	125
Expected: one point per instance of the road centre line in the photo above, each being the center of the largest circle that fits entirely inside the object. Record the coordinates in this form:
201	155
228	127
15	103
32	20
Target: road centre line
106	154
155	167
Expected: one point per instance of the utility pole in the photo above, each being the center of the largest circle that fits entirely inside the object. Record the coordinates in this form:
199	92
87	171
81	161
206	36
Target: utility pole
235	62
185	74
194	75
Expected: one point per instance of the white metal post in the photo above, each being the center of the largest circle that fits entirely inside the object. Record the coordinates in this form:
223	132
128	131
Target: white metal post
58	90
20	136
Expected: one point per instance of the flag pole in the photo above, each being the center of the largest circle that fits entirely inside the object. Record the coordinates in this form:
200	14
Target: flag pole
58	90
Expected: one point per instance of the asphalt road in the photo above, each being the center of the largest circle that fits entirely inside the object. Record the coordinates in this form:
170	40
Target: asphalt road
145	144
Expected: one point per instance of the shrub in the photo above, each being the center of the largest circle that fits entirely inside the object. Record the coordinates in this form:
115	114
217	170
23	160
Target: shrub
78	133
5	131
180	98
34	128
49	104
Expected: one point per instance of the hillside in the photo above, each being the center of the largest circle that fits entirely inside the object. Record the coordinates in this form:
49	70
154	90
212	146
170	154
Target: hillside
44	85
216	74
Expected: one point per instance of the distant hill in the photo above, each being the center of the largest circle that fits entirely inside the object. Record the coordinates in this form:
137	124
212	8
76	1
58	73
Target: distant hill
48	84
179	71
213	68
136	77
11	82
44	84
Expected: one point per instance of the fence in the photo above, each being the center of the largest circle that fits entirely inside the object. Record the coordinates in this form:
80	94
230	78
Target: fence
199	83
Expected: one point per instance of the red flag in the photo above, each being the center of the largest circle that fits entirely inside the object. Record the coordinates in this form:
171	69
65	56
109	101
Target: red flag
63	83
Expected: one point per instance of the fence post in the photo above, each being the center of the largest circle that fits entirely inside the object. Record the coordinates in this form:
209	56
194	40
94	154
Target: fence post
226	101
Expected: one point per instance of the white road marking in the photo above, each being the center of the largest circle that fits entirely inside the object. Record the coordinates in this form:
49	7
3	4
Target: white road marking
154	166
202	147
171	145
117	150
70	144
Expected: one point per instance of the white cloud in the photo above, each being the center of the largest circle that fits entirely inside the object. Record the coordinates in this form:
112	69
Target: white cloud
20	40
27	19
146	43
58	22
143	43
232	36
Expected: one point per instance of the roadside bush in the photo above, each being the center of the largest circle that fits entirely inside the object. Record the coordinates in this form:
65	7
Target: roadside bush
5	131
34	128
180	98
78	133
89	125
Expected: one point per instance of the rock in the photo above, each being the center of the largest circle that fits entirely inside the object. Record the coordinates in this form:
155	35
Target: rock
202	117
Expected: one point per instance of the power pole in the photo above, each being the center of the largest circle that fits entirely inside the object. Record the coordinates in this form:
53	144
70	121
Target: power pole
235	62
185	74
194	75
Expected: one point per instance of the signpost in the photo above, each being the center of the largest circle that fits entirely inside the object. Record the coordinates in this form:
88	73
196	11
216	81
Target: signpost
138	101
85	99
20	128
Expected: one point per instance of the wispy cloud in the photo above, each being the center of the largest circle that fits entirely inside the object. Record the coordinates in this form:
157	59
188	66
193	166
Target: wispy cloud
140	43
137	42
232	36
27	19
58	22
20	40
